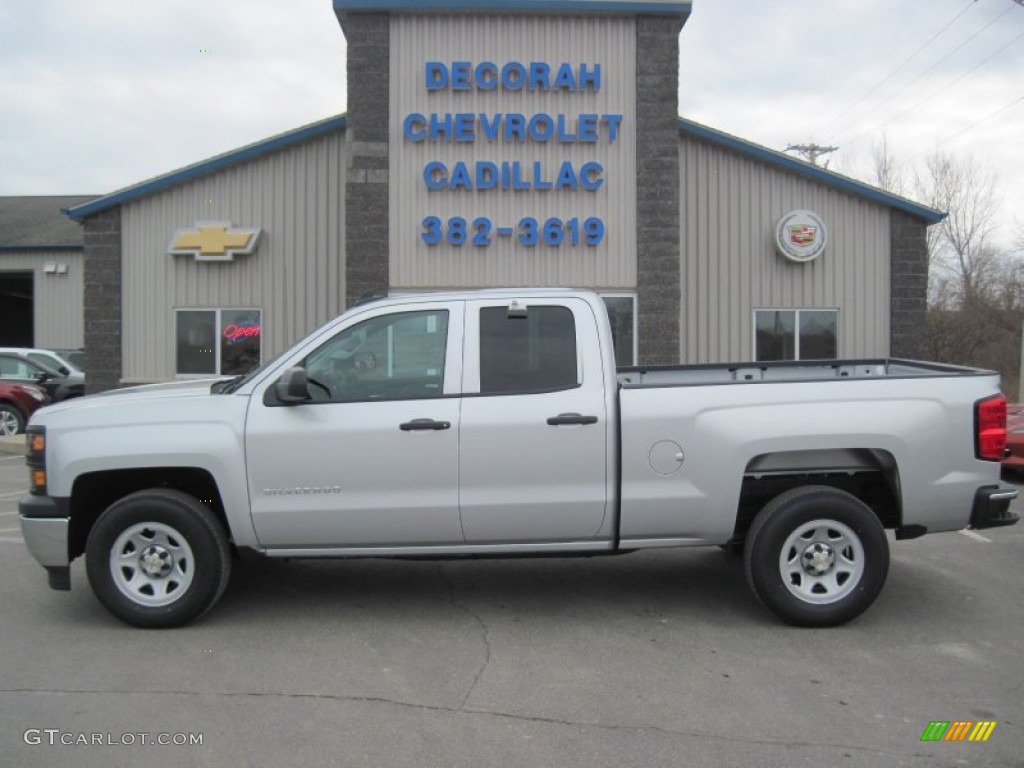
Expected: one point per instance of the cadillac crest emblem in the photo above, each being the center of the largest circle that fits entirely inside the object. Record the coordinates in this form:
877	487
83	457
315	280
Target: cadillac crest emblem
800	236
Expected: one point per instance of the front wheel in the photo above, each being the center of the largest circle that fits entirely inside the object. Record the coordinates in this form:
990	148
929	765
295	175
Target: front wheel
816	556
158	558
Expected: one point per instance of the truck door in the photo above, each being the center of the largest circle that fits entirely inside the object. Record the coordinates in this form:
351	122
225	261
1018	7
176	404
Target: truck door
533	463
372	458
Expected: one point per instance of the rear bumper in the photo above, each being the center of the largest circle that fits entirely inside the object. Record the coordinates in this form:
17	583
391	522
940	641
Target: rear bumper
992	507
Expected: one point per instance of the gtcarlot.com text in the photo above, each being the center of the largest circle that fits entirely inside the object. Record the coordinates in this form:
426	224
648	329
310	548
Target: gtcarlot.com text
57	737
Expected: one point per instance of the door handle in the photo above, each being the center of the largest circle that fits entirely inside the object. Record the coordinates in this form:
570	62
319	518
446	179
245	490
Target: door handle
570	418
420	424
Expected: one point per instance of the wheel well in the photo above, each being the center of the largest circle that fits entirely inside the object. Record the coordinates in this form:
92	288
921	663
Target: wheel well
870	475
93	492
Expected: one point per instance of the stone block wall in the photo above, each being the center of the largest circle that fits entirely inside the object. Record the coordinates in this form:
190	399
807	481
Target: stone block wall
102	301
366	186
657	148
909	285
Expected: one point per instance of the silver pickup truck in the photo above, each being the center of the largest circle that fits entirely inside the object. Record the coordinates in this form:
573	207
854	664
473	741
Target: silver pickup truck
495	423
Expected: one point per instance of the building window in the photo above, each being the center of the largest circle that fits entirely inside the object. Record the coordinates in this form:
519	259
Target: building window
795	334
217	342
622	316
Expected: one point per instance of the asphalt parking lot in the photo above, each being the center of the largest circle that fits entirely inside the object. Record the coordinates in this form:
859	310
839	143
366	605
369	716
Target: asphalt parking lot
650	659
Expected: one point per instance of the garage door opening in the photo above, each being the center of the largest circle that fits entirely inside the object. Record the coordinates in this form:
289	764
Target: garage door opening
17	297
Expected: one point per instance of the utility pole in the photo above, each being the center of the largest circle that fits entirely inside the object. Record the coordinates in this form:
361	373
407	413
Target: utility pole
812	152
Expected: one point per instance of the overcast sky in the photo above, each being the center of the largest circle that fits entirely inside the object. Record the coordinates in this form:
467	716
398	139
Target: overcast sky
99	95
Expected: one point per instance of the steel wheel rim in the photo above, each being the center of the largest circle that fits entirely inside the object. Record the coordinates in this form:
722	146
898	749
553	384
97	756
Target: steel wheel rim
8	423
822	561
152	564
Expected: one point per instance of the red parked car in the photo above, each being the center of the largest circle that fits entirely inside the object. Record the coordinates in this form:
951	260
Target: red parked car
17	403
1014	437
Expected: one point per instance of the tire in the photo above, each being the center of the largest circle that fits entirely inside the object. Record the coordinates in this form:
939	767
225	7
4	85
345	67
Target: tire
12	421
816	556
188	559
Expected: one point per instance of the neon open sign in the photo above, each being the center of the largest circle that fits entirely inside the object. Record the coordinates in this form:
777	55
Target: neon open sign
238	332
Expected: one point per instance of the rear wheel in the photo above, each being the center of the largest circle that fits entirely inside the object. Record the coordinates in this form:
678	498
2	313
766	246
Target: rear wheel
158	558
12	422
816	556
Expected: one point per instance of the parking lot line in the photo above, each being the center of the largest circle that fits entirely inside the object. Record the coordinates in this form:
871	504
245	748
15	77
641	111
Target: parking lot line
975	536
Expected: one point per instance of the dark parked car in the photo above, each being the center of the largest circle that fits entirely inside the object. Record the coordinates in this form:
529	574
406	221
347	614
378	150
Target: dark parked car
17	403
20	369
1014	438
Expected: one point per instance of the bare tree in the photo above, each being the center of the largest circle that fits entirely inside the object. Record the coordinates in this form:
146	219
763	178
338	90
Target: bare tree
888	171
960	243
976	291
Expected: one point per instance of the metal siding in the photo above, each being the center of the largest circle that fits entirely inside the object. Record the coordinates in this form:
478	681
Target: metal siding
610	42
57	299
295	276
729	207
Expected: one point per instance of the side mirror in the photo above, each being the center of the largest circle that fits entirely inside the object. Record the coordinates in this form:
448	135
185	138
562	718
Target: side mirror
43	376
64	370
292	386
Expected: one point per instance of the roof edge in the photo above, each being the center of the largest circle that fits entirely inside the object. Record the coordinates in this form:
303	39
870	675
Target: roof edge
42	248
831	178
205	167
645	7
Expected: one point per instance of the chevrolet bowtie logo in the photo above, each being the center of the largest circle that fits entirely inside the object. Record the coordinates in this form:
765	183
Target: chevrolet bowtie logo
214	241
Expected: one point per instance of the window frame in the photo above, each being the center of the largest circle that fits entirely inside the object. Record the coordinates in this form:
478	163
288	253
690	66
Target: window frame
218	336
796	330
635	352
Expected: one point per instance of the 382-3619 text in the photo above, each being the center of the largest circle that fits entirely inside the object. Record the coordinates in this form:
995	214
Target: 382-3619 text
529	232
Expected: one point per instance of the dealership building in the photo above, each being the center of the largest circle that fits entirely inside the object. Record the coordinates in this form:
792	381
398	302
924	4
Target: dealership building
501	143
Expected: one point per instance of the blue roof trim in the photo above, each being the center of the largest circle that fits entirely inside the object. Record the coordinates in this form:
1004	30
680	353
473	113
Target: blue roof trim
212	165
832	179
41	248
580	6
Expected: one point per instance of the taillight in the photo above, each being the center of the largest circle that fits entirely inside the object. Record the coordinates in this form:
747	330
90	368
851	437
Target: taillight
990	428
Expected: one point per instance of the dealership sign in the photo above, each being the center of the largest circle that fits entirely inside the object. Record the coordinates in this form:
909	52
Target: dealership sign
479	173
214	241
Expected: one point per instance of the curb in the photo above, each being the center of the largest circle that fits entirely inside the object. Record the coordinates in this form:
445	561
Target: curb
12	446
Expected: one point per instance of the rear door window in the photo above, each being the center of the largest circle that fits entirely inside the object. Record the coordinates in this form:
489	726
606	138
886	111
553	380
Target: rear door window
527	354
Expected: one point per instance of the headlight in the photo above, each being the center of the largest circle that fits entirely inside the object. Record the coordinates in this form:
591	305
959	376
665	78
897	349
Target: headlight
35	392
35	457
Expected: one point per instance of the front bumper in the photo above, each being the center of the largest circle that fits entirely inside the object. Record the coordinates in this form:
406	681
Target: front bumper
992	507
46	536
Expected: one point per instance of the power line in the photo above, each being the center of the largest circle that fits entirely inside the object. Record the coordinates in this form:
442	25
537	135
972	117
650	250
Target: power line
906	61
945	87
906	85
969	127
